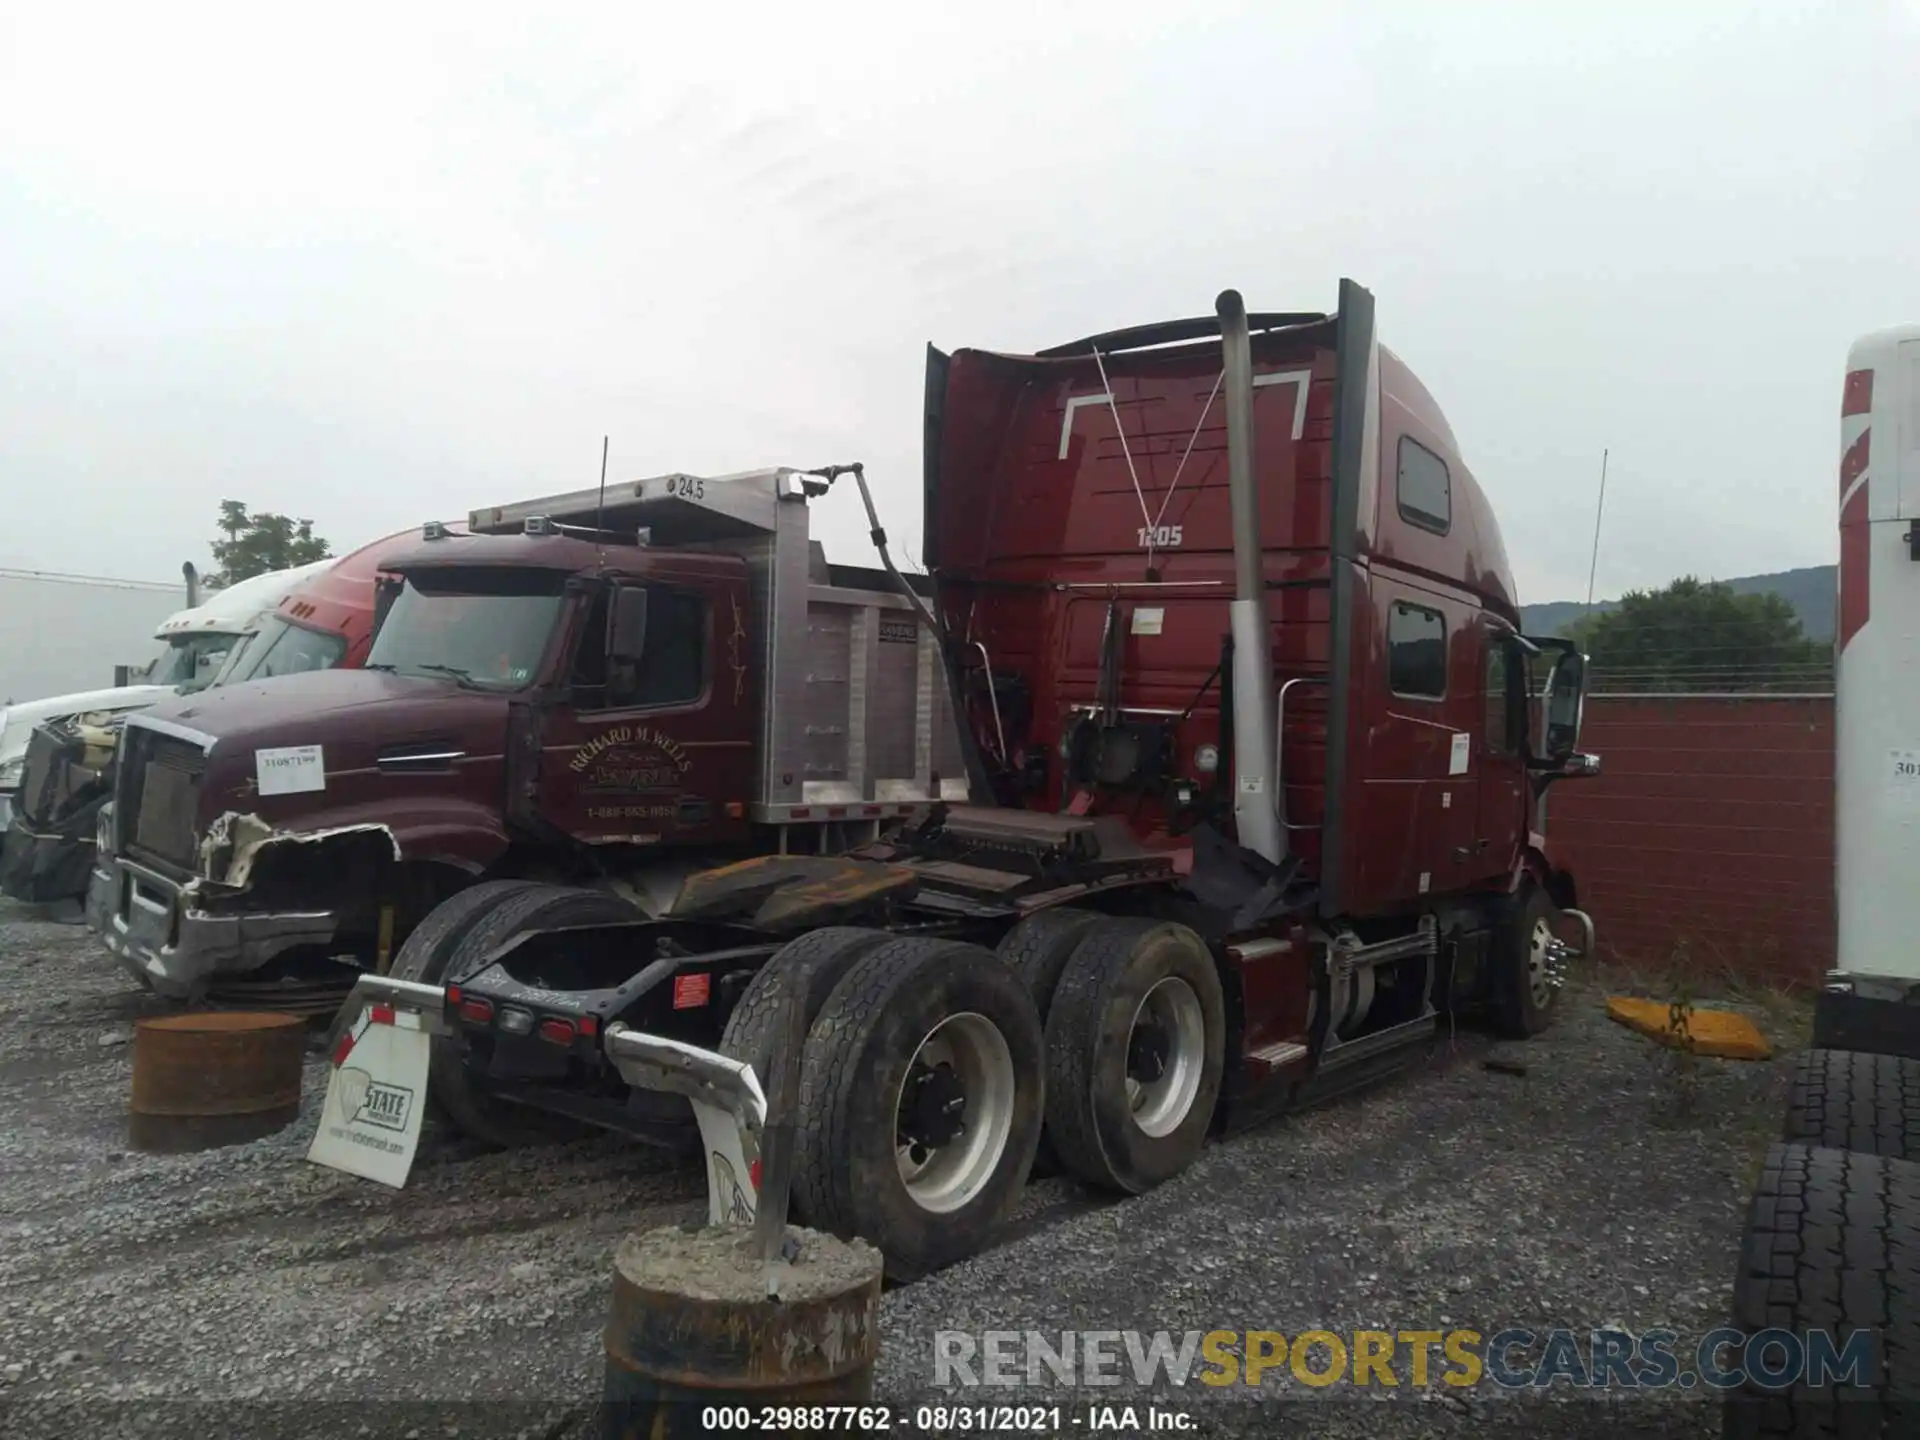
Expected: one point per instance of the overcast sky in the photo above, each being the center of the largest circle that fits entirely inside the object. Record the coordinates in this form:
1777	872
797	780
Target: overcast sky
399	261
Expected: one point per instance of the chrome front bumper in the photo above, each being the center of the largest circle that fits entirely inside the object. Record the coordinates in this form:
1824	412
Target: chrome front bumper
175	949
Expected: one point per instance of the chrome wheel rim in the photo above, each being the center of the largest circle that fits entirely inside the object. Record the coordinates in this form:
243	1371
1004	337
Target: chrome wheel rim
1166	1053
953	1113
1539	972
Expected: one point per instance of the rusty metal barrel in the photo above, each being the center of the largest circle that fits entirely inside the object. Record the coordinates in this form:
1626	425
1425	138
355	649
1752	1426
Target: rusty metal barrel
215	1078
695	1344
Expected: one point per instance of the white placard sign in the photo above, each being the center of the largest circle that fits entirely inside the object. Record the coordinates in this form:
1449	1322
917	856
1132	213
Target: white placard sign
1147	620
290	770
1457	759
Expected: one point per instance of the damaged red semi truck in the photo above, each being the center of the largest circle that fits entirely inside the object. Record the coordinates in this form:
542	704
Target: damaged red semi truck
1243	797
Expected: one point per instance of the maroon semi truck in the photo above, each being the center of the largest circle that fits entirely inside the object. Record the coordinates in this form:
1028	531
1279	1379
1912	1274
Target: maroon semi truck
1242	797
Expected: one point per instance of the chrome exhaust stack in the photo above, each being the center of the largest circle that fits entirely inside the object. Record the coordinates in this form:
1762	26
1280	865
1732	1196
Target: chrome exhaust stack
1255	765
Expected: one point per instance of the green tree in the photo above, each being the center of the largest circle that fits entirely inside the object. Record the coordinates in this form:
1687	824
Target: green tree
254	543
1698	635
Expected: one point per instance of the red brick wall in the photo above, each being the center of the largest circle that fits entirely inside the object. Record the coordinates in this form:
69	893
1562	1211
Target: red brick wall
1708	833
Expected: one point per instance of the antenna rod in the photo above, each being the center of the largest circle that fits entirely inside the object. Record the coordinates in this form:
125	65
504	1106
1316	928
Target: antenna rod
600	504
1598	511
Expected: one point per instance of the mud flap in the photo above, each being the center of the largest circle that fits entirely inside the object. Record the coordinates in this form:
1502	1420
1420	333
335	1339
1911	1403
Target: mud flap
727	1101
377	1086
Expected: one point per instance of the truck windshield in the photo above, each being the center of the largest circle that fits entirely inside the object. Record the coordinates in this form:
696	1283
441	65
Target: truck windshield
191	661
487	629
283	648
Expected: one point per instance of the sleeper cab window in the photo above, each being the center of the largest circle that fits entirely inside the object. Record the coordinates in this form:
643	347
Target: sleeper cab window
1424	489
1416	651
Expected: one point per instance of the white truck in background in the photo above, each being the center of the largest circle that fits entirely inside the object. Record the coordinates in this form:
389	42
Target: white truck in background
195	643
1831	1254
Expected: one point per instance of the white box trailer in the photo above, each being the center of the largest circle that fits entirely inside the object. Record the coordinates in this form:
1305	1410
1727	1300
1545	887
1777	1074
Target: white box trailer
65	633
184	651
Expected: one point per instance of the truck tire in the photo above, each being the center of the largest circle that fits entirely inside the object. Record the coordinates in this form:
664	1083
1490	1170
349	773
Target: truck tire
918	1035
424	954
474	923
1523	997
1849	1100
1037	949
1136	1045
813	964
1832	1245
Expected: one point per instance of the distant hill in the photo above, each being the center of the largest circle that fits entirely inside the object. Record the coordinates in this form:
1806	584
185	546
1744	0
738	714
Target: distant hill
1810	591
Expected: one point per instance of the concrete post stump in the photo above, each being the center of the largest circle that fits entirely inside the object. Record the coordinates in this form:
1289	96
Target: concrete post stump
694	1330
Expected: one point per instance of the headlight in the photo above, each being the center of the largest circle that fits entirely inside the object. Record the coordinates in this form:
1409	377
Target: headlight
12	773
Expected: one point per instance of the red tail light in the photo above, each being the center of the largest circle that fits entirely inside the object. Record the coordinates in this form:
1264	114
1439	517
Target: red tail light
589	1025
477	1011
559	1032
453	996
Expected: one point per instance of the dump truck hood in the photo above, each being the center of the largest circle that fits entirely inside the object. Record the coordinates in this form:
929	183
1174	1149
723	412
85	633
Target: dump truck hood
322	706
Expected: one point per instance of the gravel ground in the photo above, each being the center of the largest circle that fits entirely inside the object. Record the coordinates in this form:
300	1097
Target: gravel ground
244	1291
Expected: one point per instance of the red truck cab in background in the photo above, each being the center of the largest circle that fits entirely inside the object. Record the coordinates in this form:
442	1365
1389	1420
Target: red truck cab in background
327	624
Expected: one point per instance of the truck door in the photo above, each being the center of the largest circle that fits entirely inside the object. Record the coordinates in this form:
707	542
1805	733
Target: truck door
1501	820
1412	831
657	751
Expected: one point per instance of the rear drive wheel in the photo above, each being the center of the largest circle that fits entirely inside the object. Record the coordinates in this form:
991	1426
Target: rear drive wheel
1038	948
1136	1044
454	939
921	1103
1524	987
813	965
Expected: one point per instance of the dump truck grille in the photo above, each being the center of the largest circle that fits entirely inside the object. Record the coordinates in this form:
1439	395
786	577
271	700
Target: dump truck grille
159	794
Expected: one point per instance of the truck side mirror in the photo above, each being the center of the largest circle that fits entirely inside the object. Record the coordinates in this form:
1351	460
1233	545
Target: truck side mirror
627	623
1565	705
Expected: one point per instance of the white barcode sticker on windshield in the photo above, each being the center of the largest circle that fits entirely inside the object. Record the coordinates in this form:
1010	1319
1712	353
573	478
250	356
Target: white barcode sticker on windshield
290	770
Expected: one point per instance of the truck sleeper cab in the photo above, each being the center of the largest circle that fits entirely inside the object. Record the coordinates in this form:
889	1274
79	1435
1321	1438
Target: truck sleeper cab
542	699
1234	647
